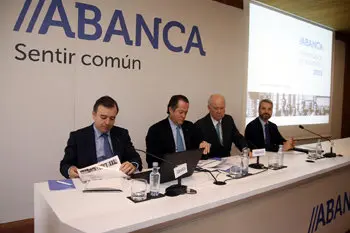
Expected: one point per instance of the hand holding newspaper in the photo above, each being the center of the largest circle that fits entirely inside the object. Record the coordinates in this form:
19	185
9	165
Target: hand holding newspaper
106	169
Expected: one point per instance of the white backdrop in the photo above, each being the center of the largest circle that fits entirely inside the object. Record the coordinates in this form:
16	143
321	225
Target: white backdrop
42	102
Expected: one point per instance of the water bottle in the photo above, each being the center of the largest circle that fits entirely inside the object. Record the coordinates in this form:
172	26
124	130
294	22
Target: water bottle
319	149
245	161
280	156
154	180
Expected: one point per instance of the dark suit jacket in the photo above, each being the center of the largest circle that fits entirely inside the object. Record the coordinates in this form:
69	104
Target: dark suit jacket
81	148
230	134
255	135
160	139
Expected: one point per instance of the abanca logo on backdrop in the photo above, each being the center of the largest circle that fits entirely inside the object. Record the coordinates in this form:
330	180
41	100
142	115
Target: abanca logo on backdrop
117	26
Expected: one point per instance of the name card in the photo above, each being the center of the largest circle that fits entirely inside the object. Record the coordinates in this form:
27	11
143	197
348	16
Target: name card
180	170
258	152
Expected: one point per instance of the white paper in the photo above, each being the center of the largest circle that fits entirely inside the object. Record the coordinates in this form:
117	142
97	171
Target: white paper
209	163
105	169
114	184
226	163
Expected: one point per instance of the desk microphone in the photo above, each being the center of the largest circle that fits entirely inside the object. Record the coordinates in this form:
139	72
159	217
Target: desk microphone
173	190
216	182
327	155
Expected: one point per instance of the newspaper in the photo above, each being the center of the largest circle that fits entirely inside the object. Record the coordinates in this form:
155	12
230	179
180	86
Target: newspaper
105	169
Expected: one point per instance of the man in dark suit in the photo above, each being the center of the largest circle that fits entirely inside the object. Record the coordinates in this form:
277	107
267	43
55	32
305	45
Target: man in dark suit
219	129
262	133
174	133
100	141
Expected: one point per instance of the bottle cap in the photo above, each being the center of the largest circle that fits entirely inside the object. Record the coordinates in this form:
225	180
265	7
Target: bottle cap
155	164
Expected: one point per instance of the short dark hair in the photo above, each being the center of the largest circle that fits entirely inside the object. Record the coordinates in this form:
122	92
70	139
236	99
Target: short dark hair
105	101
265	101
174	100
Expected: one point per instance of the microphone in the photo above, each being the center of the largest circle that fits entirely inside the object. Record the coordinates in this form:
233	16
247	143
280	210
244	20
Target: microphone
326	155
155	156
216	182
173	190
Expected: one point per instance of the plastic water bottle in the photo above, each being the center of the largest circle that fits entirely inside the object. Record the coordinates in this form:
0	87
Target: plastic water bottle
280	156
245	161
319	149
154	180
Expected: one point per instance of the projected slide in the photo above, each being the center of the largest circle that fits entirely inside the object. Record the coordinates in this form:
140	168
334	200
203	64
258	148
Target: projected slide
289	63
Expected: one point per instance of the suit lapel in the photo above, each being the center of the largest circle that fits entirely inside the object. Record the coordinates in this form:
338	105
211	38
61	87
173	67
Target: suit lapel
212	128
91	145
261	132
116	143
187	137
225	133
169	134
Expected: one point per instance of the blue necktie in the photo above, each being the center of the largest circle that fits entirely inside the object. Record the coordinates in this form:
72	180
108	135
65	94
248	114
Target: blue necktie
106	147
179	143
267	134
218	129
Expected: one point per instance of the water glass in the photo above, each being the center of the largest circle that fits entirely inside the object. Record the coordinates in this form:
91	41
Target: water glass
273	160
139	189
236	169
312	155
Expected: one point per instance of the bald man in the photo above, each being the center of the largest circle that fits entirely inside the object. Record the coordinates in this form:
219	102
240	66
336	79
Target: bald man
219	129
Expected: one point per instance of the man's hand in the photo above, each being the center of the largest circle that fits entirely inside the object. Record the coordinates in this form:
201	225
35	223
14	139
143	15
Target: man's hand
206	147
128	168
73	172
289	144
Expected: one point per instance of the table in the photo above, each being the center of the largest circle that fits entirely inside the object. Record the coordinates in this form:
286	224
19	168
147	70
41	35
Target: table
286	200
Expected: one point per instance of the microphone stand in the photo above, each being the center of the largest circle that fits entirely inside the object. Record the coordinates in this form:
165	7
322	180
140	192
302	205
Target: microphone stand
330	154
176	189
326	155
257	165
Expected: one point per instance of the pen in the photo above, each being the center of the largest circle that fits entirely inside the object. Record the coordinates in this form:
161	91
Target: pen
62	182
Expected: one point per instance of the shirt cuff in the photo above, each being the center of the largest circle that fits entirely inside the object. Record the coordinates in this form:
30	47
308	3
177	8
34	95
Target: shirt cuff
136	165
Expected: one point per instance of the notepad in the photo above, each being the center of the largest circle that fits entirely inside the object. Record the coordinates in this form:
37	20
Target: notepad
55	185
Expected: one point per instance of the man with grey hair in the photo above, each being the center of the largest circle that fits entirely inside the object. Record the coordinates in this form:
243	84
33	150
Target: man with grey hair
219	129
262	133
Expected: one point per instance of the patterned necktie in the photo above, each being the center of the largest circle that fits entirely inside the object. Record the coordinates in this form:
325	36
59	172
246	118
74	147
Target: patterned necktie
179	143
106	147
218	131
267	134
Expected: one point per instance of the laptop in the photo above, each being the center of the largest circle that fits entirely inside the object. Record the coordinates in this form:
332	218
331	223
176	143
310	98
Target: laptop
166	170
